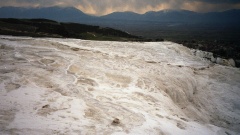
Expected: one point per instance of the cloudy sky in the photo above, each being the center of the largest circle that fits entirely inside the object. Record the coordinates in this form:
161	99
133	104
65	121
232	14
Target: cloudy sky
102	7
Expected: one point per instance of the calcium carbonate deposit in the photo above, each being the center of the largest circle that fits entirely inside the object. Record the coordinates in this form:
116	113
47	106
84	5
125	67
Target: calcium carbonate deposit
75	87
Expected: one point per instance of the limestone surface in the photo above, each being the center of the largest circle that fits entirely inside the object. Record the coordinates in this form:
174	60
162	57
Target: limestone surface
73	87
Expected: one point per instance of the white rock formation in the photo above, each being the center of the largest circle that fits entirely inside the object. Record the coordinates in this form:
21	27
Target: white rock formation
213	59
202	54
231	62
71	86
219	61
209	56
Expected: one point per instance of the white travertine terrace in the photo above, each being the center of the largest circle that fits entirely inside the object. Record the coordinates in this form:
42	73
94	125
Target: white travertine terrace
72	87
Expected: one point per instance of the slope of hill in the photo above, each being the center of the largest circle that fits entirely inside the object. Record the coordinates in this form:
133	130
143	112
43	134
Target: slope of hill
49	28
72	86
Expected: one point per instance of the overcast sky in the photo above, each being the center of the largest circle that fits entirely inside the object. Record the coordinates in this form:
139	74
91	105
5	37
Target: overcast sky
102	7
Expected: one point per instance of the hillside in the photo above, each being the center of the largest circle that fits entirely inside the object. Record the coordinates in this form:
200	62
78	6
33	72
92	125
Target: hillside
72	86
50	28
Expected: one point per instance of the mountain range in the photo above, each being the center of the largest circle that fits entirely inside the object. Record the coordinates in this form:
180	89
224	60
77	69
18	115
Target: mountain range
68	14
71	14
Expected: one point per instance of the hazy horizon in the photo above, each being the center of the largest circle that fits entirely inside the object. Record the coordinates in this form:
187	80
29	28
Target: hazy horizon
104	7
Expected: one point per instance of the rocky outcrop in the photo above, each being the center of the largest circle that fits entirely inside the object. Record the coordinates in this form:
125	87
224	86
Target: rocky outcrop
209	56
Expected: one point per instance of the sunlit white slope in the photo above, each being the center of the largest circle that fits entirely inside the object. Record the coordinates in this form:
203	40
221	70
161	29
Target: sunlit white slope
71	86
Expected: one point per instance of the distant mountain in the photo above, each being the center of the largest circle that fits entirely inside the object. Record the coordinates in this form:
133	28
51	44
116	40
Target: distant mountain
163	15
71	14
178	16
226	16
123	16
171	15
67	14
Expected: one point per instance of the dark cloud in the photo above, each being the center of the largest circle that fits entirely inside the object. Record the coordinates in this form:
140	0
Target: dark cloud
100	7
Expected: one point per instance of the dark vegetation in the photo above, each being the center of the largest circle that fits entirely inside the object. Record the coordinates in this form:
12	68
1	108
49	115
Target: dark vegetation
49	28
